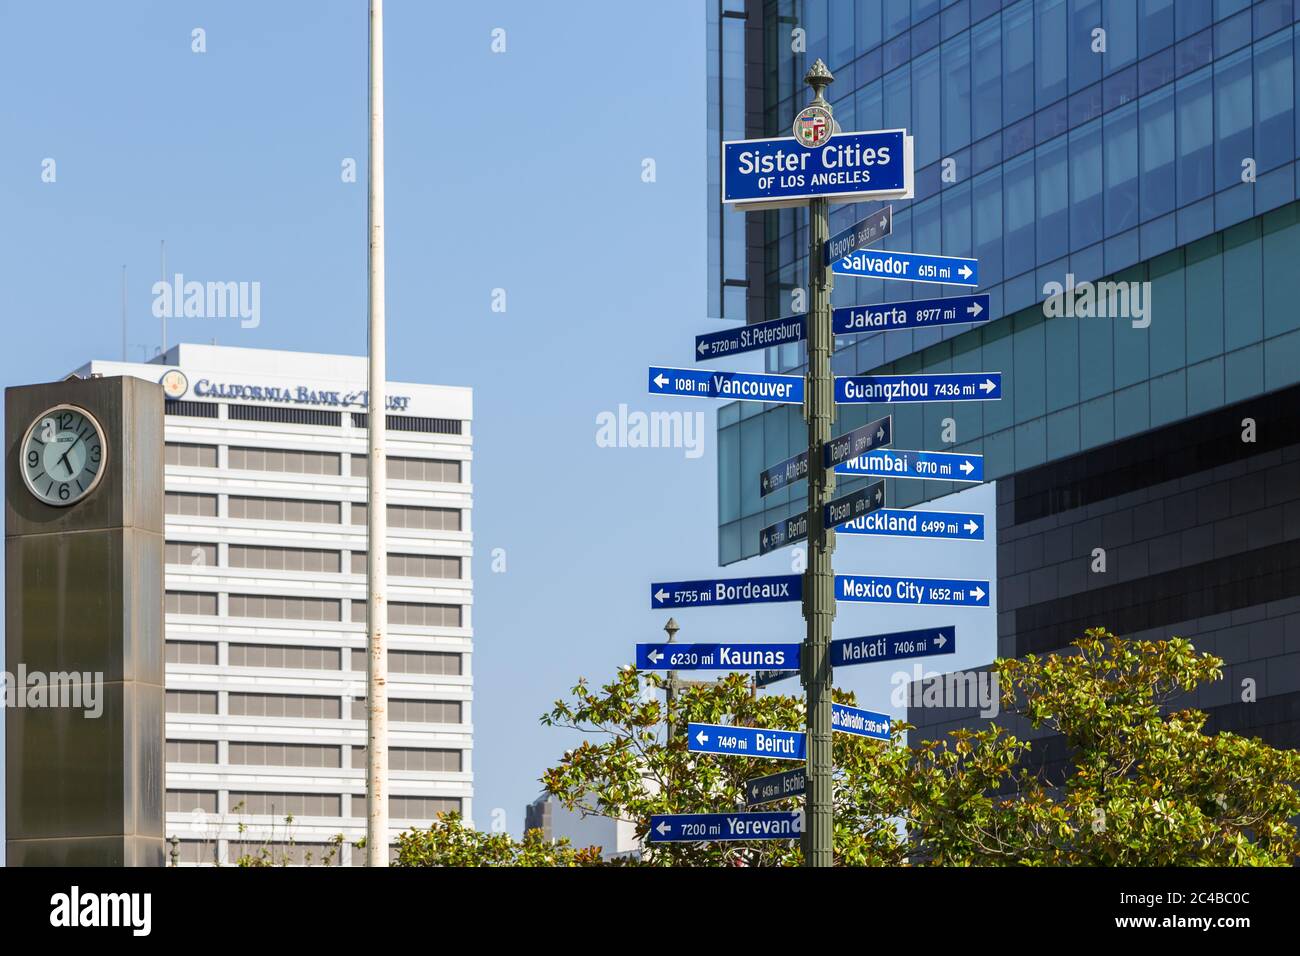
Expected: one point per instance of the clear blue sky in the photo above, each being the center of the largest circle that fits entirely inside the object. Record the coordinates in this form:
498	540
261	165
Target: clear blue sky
520	171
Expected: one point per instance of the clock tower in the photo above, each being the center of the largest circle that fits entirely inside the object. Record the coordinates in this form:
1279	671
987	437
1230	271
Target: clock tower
84	623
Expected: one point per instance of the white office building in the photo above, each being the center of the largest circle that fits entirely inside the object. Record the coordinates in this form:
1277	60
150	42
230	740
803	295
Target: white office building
266	600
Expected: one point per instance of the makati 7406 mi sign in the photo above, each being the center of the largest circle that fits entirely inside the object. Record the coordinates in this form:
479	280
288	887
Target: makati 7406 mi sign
772	173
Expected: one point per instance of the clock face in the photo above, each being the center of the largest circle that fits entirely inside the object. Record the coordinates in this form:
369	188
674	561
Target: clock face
63	455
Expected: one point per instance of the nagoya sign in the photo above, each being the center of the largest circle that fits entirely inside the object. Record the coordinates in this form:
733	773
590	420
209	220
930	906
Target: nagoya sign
893	647
858	235
939	387
916	314
737	386
715	657
909	267
701	827
747	338
771	173
718	591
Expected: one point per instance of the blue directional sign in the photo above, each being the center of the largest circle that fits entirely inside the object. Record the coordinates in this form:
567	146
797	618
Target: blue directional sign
763	678
862	723
939	387
929	465
719	591
854	443
784	532
909	267
859	235
716	657
733	386
893	647
786	473
854	505
916	314
892	589
905	523
746	741
776	786
714	827
769	173
747	338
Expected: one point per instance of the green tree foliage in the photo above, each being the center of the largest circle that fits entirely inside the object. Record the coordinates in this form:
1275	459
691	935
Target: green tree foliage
1146	785
448	842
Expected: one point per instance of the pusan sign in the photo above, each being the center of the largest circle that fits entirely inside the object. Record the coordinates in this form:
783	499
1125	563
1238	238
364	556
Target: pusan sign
774	173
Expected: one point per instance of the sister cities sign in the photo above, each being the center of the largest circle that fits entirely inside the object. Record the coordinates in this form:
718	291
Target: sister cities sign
852	167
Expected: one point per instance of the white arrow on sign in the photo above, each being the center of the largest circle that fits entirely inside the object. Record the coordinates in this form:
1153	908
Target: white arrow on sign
964	272
663	827
974	309
660	380
880	434
971	526
966	467
660	594
878	494
978	592
704	347
883	223
655	656
754	791
941	640
702	738
988	385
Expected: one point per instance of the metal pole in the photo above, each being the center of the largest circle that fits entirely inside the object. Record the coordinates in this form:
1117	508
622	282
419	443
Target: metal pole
176	293
376	498
670	688
819	578
124	313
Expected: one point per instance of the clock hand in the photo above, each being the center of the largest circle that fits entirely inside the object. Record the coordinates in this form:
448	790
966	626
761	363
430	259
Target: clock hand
67	464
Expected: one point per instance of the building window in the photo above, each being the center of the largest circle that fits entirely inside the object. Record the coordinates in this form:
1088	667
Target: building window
279	853
191	751
294	706
191	652
289	416
414	711
294	462
273	655
412	469
413	566
283	559
285	804
285	509
187	801
415	759
438	663
190	505
192	553
190	456
412	423
415	615
410	808
284	608
414	517
190	602
252	754
191	409
191	702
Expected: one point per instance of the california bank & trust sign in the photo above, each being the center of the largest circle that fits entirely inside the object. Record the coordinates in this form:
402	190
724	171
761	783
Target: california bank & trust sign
300	395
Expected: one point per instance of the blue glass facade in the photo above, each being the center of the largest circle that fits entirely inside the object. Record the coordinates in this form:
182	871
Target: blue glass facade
1099	138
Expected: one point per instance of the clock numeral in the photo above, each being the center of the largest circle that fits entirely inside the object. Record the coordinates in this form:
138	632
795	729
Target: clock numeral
64	492
94	453
65	420
33	459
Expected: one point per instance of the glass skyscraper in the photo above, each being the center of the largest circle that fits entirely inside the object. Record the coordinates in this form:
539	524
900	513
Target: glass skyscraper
1148	142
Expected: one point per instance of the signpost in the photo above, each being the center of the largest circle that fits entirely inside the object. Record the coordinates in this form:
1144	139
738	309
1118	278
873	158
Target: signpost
893	647
859	235
747	338
732	386
902	523
786	473
783	532
862	723
715	592
914	314
892	589
746	741
852	167
928	465
909	267
854	443
715	657
939	387
776	786
855	504
699	827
